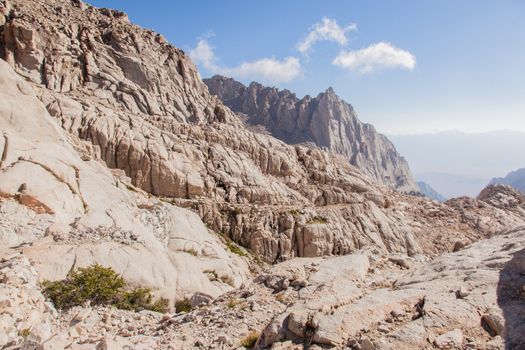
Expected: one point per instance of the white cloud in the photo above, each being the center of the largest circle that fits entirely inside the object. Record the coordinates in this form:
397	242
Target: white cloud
264	69
268	69
203	54
327	30
375	57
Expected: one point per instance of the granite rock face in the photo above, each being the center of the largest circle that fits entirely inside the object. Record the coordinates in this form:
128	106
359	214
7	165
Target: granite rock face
325	120
113	151
114	92
125	96
63	209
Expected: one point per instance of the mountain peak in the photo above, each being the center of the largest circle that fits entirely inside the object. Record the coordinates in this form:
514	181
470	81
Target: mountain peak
310	120
330	91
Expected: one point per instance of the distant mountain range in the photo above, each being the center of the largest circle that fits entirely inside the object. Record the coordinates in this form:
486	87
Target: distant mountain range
515	179
429	192
455	163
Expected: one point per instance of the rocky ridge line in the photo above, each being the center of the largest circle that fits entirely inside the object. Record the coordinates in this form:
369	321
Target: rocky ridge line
326	121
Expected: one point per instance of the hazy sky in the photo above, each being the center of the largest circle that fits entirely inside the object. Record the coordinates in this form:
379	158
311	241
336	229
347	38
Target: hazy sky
405	66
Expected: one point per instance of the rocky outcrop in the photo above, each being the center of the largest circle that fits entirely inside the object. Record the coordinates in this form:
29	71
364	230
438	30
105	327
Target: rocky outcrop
26	317
63	211
326	121
515	179
368	300
130	99
410	310
113	152
141	107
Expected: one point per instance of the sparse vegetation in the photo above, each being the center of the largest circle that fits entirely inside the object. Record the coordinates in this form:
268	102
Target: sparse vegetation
24	332
232	303
232	246
161	305
183	305
317	220
235	249
100	286
295	212
250	339
139	299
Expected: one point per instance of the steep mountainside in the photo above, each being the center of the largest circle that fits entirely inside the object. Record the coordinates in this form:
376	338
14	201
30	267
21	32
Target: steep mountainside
429	192
325	120
515	179
112	151
140	106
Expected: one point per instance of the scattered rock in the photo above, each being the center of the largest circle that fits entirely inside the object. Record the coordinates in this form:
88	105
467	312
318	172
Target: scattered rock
493	324
450	340
462	293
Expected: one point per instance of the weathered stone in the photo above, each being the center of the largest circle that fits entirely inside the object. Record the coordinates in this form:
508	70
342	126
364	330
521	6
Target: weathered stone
450	340
325	120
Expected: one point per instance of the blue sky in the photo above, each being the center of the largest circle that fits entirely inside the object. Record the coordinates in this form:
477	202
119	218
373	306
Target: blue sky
405	66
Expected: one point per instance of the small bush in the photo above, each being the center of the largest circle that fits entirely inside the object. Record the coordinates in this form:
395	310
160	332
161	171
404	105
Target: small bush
161	305
100	286
250	339
183	305
139	299
232	303
134	299
95	283
235	249
24	332
232	246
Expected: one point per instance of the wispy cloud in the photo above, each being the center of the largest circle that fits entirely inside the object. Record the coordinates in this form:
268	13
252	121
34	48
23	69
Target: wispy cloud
265	69
374	58
326	30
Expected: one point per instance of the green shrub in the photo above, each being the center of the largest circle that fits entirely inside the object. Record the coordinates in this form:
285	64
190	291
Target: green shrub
232	246
100	286
136	299
235	249
95	283
250	339
62	294
183	305
161	305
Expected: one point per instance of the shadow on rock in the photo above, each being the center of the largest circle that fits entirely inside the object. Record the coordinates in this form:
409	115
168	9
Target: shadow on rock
511	300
